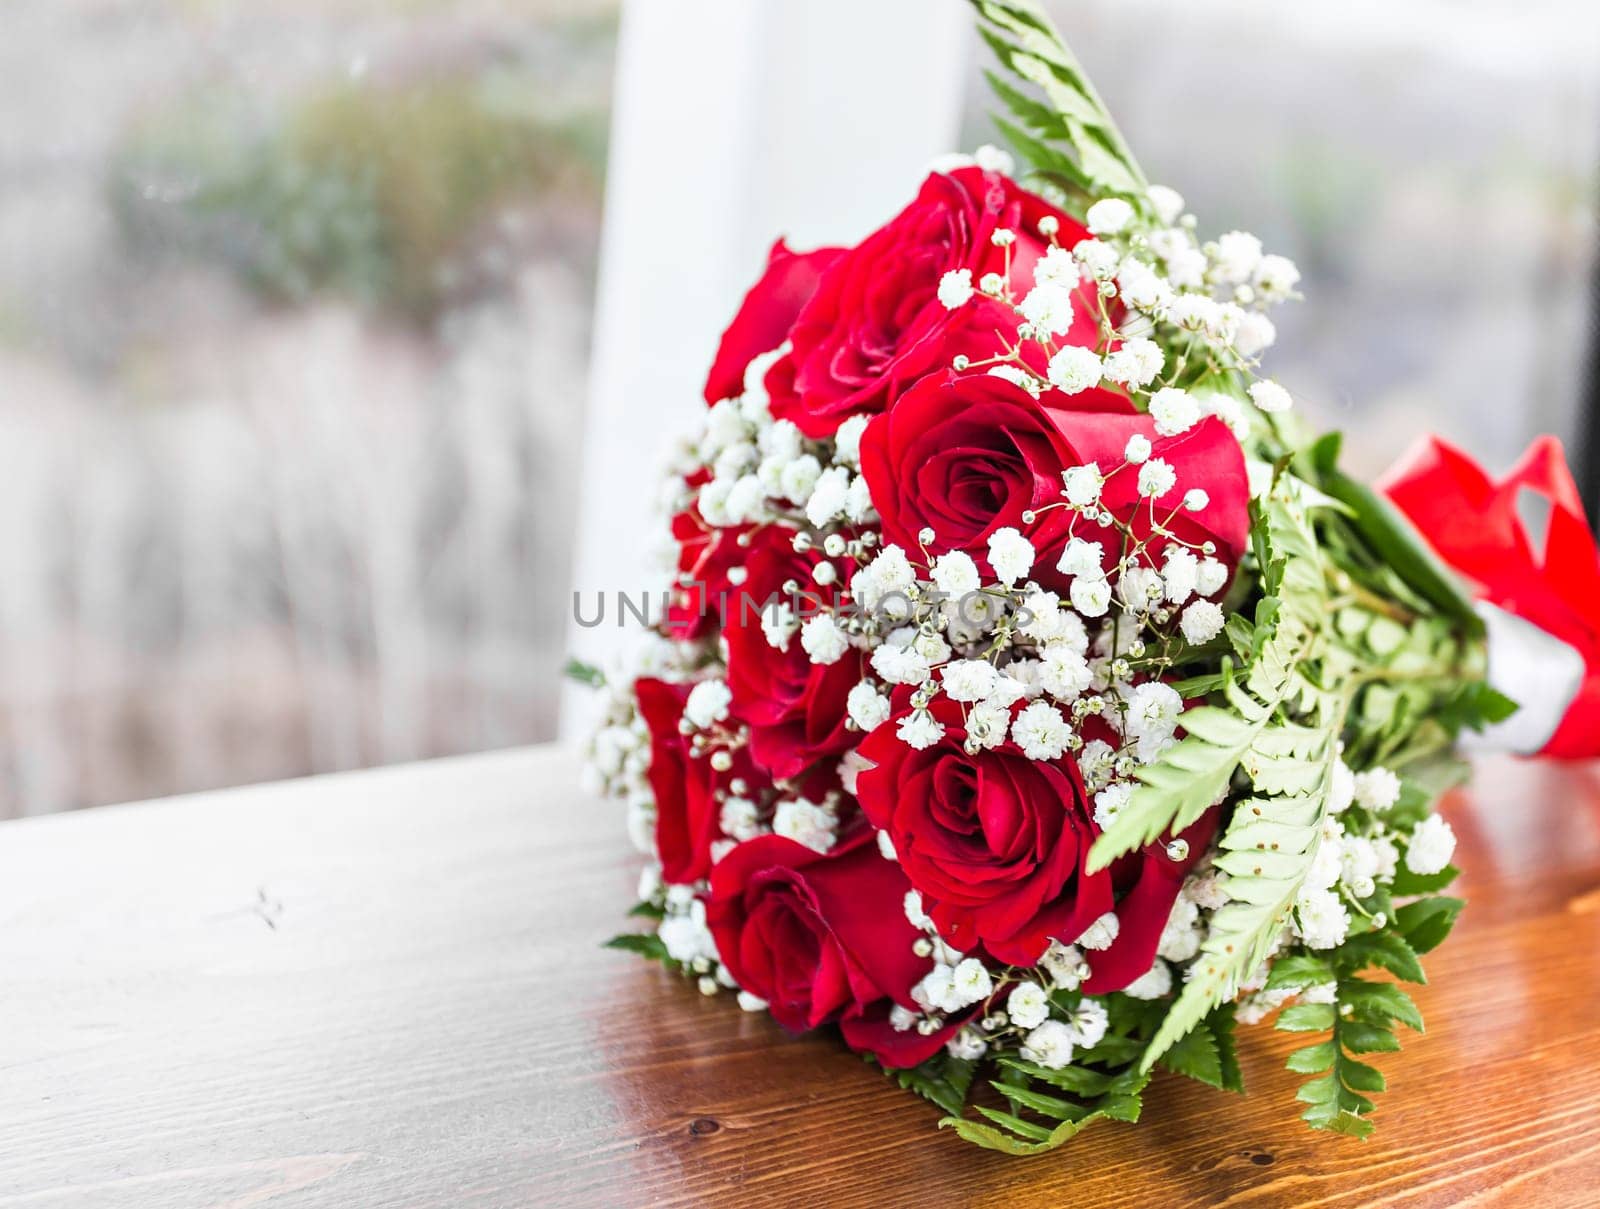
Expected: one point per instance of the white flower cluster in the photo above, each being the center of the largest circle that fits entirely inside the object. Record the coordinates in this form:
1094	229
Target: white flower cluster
1164	303
765	470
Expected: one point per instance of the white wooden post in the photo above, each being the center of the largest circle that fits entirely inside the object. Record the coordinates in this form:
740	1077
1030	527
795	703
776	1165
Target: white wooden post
735	121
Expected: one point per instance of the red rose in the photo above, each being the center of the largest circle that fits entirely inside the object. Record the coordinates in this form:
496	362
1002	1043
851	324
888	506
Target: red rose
687	813
996	844
966	455
822	938
766	315
795	708
875	324
704	590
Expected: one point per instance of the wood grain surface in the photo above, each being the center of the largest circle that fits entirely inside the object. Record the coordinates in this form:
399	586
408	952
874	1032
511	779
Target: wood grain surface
386	989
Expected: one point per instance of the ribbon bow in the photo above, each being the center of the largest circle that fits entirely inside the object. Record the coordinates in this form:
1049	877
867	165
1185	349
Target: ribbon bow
1473	523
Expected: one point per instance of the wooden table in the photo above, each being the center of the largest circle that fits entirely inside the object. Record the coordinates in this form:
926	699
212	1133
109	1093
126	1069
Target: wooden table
386	989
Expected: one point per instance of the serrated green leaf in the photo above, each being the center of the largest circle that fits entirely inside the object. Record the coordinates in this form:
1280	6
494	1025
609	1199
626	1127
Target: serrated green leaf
1362	1038
1195	1056
1360	1076
1306	1018
1048	1106
1387	950
1428	921
646	944
1298	971
1223	1025
1313	1058
1380	1001
1025	1129
1071	116
1407	882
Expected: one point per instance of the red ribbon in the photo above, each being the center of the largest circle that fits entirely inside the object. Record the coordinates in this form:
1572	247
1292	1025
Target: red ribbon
1472	522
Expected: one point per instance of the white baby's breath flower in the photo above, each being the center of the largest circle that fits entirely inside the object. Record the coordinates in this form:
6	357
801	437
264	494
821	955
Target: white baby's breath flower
920	730
1136	363
708	703
1157	478
955	574
823	640
1109	802
1201	621
1080	557
1210	576
1174	411
1028	1005
1432	845
1321	920
1180	574
1377	789
1168	203
1153	712
1083	484
1238	256
805	823
1142	288
1196	499
1088	1022
1041	732
1010	554
955	288
968	680
1064	673
828	496
1048	308
987	722
847	440
1098	259
1108	216
867	707
1269	396
1276	277
1049	1045
1100	935
969	983
1193	312
1254	335
1063	964
915	915
1138	448
1057	267
1155	983
995	159
1091	595
739	819
1075	369
886	846
899	665
967	1045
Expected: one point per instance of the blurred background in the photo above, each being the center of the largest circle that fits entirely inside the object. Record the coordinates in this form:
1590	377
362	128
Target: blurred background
295	321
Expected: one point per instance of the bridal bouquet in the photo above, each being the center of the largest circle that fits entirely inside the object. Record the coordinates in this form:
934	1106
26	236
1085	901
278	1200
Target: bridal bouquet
1035	701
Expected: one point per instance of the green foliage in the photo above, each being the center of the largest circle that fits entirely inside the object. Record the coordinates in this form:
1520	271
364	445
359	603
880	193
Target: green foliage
646	944
1069	136
584	673
943	1080
1393	539
1206	1052
1013	1134
1364	1014
1102	1084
